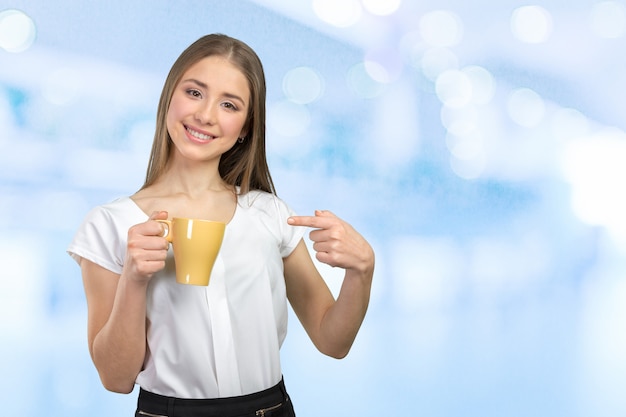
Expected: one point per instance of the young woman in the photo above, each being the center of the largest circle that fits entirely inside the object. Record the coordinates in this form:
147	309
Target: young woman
213	350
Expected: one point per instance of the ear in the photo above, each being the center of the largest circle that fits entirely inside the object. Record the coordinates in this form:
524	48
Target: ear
246	127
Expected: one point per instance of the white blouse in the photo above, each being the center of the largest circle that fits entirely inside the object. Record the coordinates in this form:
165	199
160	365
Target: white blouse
222	340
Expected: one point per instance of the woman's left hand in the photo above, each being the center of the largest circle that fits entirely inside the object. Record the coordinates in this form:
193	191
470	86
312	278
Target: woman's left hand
336	242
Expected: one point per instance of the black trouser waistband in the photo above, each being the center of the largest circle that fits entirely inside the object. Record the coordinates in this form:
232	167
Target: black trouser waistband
258	403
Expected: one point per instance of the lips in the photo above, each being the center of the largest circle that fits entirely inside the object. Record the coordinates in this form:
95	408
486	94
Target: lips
199	135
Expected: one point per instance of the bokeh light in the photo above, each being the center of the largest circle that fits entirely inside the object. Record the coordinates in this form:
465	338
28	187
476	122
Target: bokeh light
362	83
468	168
459	121
384	64
595	168
17	31
435	61
441	28
466	146
531	24
526	107
483	84
303	85
341	14
454	88
381	7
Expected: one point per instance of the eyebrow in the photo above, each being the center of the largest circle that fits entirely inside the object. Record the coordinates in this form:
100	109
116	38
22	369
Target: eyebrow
206	87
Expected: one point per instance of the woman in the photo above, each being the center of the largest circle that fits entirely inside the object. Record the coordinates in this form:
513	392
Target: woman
213	350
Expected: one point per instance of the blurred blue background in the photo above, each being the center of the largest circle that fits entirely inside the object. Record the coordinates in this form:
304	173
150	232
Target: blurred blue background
480	146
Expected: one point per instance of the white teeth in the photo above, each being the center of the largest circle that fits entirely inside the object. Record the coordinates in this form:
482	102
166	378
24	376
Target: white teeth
199	135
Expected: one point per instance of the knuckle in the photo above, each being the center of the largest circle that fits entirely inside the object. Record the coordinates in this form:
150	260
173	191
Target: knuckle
134	229
336	234
133	244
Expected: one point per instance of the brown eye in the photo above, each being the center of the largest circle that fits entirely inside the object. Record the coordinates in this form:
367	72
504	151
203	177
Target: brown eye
194	93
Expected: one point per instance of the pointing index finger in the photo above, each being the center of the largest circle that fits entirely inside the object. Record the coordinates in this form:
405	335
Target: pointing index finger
321	220
307	221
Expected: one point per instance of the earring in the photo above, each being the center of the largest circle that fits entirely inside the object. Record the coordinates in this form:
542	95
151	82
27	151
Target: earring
241	139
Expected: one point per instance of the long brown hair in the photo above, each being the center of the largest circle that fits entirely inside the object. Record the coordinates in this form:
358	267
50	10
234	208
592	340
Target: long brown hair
245	164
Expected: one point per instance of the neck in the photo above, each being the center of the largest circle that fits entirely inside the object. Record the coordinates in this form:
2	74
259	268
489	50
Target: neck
192	179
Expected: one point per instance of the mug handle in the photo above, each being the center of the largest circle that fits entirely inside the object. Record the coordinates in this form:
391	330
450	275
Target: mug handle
168	226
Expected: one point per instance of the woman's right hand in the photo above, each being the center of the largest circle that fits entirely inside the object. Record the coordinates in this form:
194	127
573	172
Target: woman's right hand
146	250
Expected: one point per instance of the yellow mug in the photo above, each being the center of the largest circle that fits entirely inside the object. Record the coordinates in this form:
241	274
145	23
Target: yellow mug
196	245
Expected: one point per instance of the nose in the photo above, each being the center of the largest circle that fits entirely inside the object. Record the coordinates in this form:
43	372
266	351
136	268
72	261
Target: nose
205	113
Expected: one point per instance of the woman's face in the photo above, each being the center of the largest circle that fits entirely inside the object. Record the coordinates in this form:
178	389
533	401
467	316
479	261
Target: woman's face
208	109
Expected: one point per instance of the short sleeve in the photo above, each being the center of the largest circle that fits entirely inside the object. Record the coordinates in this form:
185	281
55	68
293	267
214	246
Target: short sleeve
100	240
291	235
272	213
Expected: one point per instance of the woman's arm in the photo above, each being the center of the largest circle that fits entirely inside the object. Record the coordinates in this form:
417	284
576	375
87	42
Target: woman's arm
116	330
331	324
117	306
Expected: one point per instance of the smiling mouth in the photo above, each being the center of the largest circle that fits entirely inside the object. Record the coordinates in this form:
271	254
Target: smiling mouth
198	135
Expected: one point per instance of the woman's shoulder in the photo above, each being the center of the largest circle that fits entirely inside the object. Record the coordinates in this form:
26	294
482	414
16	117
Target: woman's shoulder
119	204
100	237
265	203
119	210
258	199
